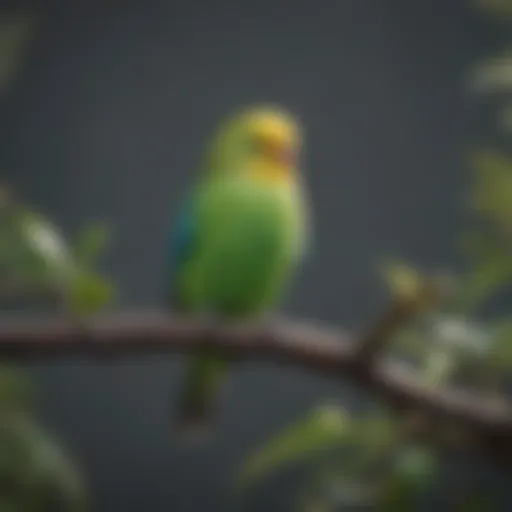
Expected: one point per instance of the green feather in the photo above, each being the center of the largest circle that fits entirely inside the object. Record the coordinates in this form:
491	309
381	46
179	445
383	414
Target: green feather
251	237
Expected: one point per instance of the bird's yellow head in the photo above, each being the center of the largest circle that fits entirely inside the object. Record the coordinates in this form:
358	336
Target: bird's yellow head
265	141
274	137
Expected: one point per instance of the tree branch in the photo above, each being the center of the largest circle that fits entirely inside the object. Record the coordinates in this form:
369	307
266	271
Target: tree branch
315	348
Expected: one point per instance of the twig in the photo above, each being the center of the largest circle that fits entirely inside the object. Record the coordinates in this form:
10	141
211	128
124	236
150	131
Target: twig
427	292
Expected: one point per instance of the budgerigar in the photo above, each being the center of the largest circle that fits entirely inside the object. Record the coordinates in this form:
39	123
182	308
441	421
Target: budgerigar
238	239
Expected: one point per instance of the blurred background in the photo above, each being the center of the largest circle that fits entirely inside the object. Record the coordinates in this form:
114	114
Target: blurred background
106	110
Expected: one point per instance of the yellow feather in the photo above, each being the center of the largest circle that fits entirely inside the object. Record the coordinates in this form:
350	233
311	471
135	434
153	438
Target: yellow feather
271	172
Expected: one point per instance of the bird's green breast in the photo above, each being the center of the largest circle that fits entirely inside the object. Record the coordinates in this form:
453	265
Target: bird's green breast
251	234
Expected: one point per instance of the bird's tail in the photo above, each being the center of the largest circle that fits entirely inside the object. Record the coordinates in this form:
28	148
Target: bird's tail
199	397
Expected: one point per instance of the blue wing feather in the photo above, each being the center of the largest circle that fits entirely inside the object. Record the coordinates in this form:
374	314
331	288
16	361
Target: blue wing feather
180	248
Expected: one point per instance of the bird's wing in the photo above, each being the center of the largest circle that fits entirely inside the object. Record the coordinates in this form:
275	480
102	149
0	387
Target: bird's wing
181	244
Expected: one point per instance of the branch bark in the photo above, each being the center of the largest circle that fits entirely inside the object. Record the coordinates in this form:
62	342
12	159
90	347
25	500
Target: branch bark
323	350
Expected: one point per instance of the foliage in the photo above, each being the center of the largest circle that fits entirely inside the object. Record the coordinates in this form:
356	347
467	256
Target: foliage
322	430
448	347
35	256
457	344
35	474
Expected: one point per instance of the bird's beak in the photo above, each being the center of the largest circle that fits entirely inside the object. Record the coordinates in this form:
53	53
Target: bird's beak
287	156
281	151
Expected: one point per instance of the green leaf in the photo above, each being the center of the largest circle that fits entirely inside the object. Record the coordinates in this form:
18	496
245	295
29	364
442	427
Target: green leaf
500	351
480	284
460	334
402	279
44	240
492	75
55	481
35	473
491	195
417	464
15	389
438	366
321	430
408	285
409	342
21	262
414	471
348	480
90	243
375	432
88	294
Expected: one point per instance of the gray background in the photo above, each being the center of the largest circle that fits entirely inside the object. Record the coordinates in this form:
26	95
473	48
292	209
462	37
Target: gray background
107	121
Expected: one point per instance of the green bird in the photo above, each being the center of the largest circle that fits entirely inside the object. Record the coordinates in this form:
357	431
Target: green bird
238	239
